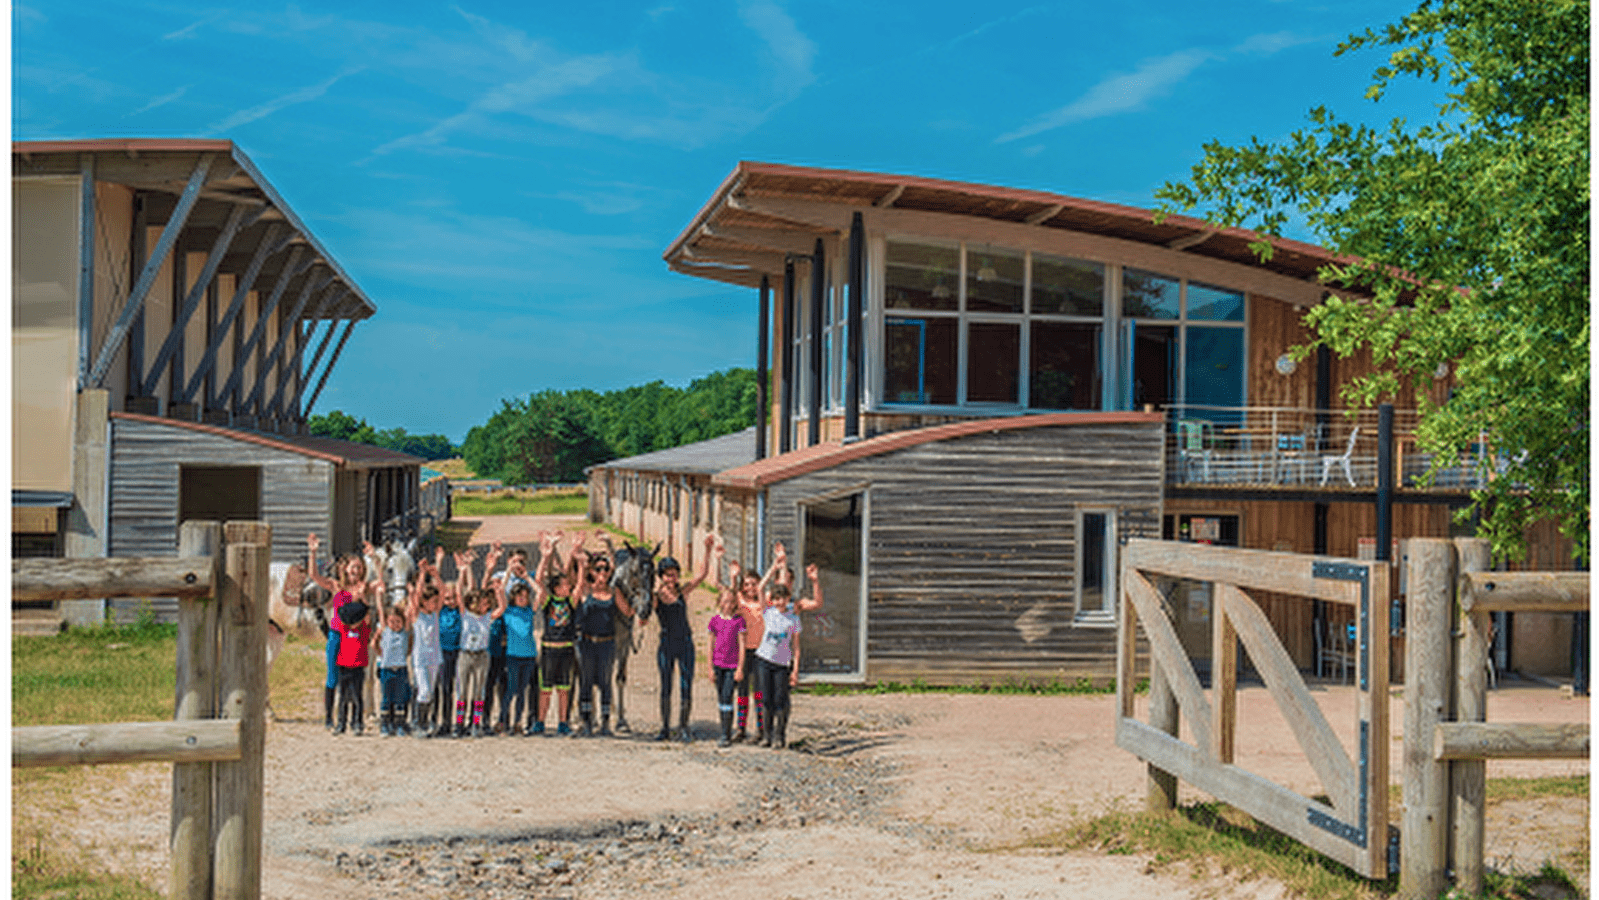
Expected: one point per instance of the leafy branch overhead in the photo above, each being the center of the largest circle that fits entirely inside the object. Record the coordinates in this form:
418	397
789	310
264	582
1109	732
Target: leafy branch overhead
1464	241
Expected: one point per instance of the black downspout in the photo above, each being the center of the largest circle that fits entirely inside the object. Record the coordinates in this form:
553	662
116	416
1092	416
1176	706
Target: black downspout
857	282
785	427
762	324
818	294
1385	482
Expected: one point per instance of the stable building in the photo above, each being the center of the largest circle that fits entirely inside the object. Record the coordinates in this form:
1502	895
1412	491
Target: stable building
972	395
173	323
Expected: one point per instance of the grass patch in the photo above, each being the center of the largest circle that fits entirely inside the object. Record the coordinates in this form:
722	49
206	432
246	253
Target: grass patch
518	503
1051	687
114	673
41	868
1212	838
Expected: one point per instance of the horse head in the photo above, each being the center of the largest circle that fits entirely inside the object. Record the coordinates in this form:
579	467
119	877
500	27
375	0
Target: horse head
634	577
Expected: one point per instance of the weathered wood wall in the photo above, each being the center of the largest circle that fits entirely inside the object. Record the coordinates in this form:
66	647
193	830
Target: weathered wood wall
972	544
296	494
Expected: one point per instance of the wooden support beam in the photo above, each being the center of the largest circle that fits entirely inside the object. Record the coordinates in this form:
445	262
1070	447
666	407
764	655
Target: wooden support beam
80	579
778	240
1468	778
86	231
1045	214
890	198
292	268
293	365
1227	601
270	245
195	700
152	267
725	274
316	358
1509	740
1299	709
337	349
311	287
125	742
237	821
1524	592
237	219
1167	652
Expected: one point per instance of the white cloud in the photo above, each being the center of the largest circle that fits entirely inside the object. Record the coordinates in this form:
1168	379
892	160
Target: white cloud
162	100
793	50
304	95
1118	93
1276	42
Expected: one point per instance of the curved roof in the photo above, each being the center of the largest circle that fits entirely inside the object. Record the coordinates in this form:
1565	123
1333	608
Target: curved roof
716	243
816	457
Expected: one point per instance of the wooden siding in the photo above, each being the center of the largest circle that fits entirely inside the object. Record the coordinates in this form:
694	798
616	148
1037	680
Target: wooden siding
296	493
968	536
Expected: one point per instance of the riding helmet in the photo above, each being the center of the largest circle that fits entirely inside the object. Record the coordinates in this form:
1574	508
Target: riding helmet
667	562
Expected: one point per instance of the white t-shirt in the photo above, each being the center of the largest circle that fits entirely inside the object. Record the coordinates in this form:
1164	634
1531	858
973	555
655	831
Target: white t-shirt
475	630
777	644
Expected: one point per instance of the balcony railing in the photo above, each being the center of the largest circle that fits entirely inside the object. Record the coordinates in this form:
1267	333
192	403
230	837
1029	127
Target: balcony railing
1286	447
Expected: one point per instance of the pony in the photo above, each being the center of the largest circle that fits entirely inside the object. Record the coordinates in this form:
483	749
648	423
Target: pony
632	576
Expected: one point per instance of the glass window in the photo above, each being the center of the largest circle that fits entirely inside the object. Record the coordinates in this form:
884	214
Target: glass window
922	277
993	354
1214	303
1063	365
921	356
994	280
1215	367
832	541
1096	565
1146	295
1067	286
1154	365
828	393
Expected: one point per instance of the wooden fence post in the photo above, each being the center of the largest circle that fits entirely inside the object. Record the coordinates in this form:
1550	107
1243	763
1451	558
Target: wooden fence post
1423	859
1468	777
242	614
196	699
1163	716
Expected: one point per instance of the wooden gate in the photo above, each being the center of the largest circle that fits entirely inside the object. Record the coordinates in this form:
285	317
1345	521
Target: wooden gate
1352	826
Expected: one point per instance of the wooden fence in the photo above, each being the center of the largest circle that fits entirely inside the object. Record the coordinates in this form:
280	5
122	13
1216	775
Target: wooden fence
1447	740
1351	826
216	741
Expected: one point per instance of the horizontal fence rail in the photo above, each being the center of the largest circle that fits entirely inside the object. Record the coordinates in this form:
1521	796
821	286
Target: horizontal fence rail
198	740
89	579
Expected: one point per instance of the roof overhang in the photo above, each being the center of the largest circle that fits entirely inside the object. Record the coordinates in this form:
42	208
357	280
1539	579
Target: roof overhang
160	169
346	454
765	213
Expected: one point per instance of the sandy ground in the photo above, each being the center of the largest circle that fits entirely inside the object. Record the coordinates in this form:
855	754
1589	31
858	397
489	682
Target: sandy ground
885	796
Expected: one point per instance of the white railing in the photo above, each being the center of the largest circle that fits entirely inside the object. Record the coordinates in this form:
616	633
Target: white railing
1290	447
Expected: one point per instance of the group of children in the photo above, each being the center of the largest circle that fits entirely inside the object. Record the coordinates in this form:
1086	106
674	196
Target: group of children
453	651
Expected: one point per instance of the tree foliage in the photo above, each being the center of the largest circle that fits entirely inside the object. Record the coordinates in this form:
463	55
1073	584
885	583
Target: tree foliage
1465	239
553	435
345	427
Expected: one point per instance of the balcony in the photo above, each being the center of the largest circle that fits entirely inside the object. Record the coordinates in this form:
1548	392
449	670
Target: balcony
1275	447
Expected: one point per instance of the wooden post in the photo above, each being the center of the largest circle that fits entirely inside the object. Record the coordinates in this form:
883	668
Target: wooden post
1223	673
242	616
1163	716
1467	777
1423	861
196	699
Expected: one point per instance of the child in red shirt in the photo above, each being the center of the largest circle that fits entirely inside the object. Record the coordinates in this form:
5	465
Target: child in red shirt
355	641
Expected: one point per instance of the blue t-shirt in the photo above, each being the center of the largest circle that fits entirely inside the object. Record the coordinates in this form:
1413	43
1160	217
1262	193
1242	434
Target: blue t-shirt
497	637
450	629
519	632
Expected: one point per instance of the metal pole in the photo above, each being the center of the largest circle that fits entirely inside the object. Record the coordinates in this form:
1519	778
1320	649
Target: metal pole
762	336
1385	482
785	427
857	282
818	295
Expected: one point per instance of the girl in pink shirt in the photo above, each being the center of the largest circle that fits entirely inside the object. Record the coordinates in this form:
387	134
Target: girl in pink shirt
727	658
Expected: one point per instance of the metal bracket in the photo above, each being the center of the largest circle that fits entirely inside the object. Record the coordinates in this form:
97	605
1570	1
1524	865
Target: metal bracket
1331	825
1343	571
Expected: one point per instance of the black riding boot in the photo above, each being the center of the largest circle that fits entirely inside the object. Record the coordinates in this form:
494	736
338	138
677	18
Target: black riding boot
727	729
683	734
327	706
666	718
765	725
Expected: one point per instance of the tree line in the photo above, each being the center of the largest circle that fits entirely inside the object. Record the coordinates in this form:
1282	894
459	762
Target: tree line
345	427
551	436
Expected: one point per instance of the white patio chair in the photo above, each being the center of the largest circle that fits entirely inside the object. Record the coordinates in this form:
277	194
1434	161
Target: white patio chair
1327	462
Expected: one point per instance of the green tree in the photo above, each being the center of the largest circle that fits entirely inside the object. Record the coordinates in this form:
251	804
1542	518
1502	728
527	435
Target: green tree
342	426
1466	240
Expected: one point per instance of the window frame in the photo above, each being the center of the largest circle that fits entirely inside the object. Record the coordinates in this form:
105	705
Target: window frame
1105	615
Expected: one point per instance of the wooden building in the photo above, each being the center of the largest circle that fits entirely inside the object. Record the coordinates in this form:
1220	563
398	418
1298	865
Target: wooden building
894	306
173	322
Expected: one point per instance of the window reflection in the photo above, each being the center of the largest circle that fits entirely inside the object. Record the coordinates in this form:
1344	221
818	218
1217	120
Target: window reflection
994	280
922	277
1146	295
920	365
1063	368
1067	286
992	352
1214	303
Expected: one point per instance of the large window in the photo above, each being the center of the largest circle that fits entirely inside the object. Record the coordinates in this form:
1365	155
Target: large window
1188	341
831	639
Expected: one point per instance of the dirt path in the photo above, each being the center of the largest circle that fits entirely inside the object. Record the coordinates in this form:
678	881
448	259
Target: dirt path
883	796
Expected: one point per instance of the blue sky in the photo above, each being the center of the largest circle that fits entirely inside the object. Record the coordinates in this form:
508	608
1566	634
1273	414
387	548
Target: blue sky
502	178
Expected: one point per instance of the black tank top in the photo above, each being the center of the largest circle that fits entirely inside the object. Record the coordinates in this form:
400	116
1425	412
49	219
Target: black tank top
596	617
674	622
